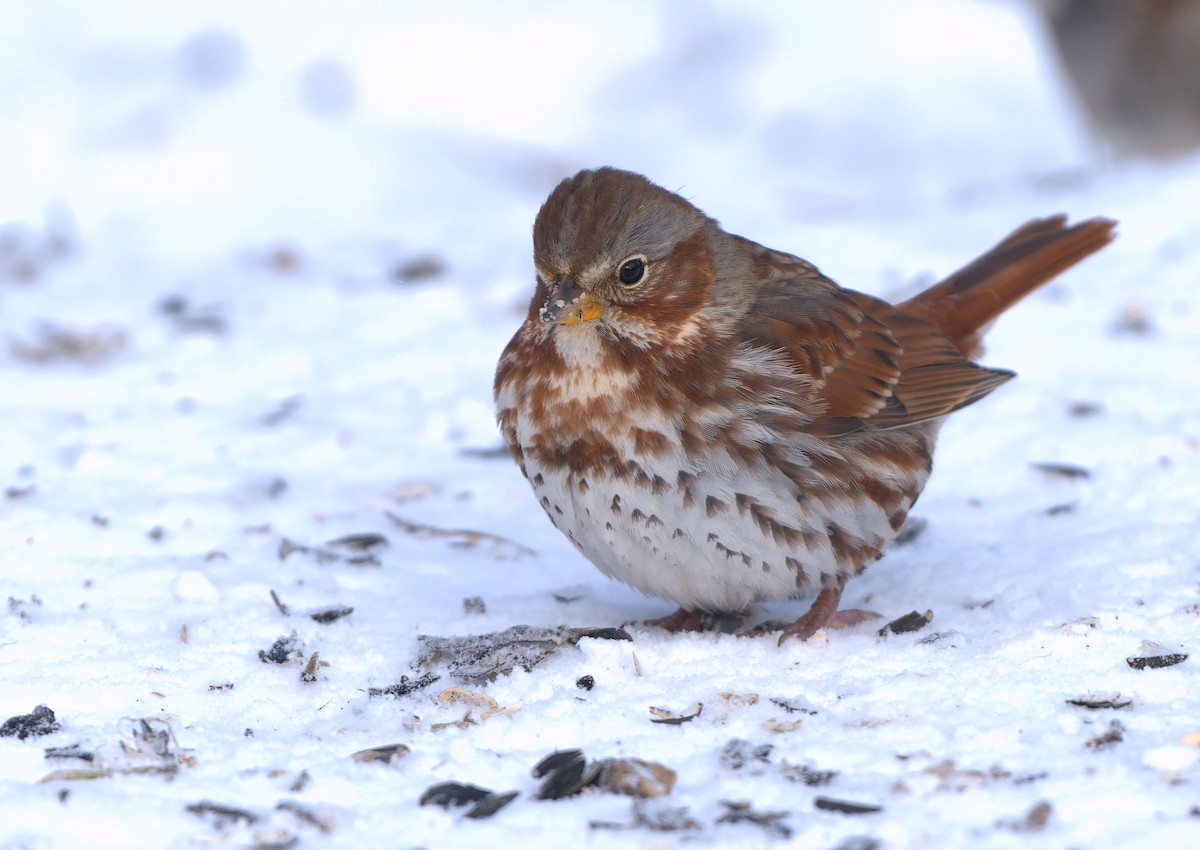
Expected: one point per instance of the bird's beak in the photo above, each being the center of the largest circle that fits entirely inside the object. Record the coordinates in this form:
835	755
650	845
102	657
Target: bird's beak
567	304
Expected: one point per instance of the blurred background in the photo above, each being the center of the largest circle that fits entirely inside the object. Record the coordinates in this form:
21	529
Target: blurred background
181	129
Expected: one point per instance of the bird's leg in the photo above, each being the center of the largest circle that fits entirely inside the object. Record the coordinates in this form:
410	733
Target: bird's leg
684	620
824	613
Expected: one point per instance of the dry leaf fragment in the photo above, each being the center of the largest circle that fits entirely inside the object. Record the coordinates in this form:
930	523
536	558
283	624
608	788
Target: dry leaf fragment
952	778
457	696
309	674
726	704
1081	626
637	778
481	658
221	814
1114	735
792	705
461	696
500	547
1101	699
466	721
74	751
283	609
57	343
1034	821
740	811
778	727
1039	815
70	775
152	740
306	816
665	715
1136	319
417	488
275	838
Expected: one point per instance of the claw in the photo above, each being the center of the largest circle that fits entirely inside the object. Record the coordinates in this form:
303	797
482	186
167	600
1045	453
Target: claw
684	620
824	614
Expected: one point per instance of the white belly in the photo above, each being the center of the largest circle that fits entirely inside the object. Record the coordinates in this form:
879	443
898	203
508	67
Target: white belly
696	543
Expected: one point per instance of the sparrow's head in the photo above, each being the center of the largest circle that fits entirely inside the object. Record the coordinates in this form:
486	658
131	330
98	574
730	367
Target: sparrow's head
619	255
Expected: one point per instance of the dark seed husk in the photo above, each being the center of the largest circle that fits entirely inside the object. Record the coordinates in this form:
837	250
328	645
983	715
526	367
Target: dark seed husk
385	753
910	622
845	807
556	760
447	794
489	805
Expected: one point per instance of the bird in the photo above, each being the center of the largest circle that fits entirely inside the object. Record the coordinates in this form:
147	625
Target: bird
716	423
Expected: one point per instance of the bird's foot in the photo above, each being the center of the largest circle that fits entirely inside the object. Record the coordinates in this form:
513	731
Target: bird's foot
684	620
824	614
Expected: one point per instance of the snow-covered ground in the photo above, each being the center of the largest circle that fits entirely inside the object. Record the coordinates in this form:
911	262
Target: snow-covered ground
259	262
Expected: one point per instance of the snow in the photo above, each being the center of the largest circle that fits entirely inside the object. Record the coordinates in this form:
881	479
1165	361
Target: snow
213	371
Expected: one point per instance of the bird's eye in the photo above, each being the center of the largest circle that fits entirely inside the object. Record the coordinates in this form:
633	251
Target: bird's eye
632	271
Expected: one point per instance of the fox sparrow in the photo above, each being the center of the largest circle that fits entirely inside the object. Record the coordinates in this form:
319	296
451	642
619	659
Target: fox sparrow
715	422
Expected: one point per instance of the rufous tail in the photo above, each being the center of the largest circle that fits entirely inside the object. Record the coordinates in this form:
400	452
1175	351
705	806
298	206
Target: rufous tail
963	305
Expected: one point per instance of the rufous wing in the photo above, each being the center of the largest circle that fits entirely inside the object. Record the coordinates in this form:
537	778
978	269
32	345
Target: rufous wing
869	365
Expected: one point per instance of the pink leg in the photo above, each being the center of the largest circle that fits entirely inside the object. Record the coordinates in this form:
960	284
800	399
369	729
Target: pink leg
682	620
823	614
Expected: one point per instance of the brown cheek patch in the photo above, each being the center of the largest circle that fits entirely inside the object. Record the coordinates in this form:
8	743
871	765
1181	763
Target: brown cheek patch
691	272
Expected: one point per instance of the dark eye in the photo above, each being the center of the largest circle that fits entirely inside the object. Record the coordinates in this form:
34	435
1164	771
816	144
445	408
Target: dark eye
632	271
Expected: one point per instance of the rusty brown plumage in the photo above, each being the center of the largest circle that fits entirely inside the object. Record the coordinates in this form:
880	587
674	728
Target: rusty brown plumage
717	423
